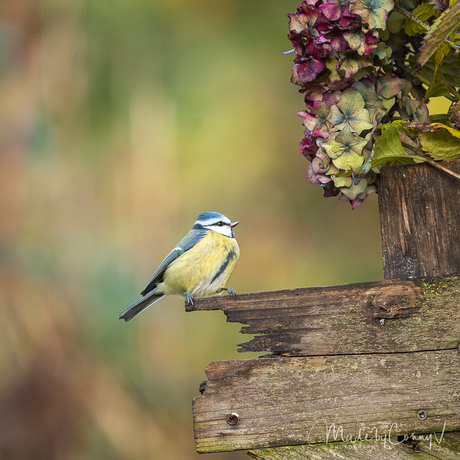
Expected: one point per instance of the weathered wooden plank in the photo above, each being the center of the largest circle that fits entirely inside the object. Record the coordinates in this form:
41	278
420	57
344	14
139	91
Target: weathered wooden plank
419	220
420	217
442	446
290	401
375	317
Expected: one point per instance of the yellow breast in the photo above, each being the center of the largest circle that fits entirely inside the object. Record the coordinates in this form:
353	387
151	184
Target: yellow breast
204	269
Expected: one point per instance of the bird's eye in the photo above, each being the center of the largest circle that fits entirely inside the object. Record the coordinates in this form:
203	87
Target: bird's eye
219	224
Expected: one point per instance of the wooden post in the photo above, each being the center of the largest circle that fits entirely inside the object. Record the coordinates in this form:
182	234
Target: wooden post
360	363
419	220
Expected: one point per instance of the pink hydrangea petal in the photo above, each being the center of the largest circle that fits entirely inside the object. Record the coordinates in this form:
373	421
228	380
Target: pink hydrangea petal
332	11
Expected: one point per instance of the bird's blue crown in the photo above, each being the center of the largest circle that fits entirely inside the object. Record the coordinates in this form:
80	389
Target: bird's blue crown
209	215
205	219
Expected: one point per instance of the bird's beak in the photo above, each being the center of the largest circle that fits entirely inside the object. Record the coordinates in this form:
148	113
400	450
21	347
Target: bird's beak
234	223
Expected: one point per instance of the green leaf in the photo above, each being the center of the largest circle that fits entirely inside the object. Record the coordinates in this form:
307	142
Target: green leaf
440	118
424	12
449	69
388	147
441	28
440	145
395	22
439	141
408	4
440	54
437	88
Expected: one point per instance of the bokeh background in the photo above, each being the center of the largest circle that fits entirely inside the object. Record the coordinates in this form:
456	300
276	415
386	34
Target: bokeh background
121	121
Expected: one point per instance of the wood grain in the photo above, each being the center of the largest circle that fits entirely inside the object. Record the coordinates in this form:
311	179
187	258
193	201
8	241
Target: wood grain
442	446
419	220
361	359
291	401
375	317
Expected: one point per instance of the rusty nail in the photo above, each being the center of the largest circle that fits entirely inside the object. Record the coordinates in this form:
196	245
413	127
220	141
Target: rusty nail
422	415
232	419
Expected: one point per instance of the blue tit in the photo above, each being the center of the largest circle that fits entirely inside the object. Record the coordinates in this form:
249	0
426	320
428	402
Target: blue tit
200	265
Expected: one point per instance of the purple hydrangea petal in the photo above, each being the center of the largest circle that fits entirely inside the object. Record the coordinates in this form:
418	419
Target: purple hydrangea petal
308	70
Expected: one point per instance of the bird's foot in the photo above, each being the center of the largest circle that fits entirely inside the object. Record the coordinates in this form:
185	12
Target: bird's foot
188	298
230	291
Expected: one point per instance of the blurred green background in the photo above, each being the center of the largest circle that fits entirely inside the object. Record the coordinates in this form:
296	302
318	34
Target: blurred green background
121	121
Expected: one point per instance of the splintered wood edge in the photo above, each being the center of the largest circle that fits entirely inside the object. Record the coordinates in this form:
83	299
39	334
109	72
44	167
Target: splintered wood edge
372	317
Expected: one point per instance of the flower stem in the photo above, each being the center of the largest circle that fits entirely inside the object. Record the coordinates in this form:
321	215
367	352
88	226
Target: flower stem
442	168
424	25
409	147
432	162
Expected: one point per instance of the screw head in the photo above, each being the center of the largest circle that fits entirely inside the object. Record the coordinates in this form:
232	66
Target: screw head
232	419
422	415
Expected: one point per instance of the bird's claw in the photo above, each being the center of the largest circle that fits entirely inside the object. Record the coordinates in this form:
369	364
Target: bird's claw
188	298
230	291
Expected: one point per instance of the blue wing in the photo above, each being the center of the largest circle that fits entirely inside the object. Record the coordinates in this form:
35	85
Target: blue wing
184	244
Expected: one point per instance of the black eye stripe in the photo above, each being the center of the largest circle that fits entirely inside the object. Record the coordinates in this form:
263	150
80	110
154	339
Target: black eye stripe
217	224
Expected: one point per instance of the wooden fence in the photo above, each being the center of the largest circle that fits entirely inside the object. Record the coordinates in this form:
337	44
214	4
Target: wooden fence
365	370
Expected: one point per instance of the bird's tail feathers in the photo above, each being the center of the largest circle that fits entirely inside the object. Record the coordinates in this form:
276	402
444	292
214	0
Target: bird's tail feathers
140	305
